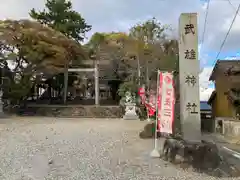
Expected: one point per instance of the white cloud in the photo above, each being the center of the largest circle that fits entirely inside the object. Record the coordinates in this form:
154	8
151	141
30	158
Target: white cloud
228	20
110	15
14	9
205	93
203	58
204	77
235	26
205	89
220	16
235	57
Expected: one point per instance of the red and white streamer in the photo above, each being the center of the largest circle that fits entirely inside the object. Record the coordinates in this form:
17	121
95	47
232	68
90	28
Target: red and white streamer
166	102
142	94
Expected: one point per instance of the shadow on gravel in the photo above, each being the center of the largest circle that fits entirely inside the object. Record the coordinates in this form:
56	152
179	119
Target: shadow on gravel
203	157
148	132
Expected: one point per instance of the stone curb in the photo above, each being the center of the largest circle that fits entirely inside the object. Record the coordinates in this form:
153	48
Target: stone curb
233	153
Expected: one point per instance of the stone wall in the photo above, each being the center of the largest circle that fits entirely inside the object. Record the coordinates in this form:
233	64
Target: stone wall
74	111
231	128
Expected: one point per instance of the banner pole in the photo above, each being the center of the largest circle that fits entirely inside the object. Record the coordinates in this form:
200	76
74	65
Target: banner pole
147	95
155	151
148	118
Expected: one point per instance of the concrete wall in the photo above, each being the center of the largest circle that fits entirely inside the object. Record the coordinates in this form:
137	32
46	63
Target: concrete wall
222	108
231	128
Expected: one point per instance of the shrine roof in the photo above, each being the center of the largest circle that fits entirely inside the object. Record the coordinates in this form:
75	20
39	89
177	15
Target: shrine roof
223	66
212	97
204	105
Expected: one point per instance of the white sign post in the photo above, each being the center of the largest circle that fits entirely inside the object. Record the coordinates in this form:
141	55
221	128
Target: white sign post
155	152
189	78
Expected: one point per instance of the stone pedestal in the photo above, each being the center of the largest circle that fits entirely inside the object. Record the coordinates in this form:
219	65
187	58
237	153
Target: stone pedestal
130	112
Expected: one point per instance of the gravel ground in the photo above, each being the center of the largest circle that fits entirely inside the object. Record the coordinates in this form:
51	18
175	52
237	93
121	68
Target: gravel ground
81	149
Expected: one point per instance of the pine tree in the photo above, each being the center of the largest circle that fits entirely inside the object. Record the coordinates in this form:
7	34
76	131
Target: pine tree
60	16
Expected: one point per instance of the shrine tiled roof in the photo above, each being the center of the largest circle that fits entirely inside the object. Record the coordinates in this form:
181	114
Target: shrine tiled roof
212	97
204	106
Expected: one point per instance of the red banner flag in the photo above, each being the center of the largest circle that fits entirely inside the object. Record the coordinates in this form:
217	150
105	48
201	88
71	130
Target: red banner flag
166	102
141	93
151	106
151	110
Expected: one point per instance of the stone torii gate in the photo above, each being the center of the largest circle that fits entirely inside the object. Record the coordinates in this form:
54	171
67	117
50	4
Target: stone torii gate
96	77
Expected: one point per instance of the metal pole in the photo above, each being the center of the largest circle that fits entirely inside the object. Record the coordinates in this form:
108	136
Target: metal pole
148	91
156	106
155	152
148	117
96	83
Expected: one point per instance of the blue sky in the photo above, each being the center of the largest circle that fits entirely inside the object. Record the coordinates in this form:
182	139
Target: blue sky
211	57
120	15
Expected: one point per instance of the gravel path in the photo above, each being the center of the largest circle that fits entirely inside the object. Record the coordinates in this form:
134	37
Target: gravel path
81	149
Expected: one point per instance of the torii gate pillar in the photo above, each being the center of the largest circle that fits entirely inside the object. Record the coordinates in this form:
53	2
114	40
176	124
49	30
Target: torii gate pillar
96	77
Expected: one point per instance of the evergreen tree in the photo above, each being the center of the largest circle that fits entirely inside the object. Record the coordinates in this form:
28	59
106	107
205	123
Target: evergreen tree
60	16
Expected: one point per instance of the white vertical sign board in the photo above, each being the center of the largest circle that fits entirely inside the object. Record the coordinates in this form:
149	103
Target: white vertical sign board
189	77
